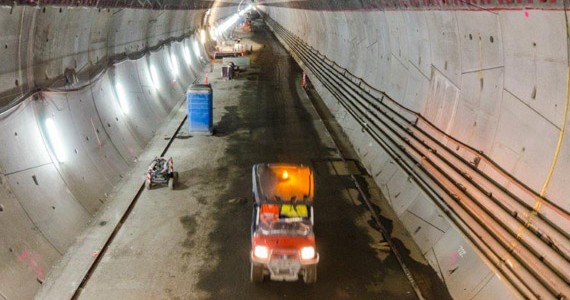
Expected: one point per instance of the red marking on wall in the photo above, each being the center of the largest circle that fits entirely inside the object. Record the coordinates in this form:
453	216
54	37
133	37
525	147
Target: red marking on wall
453	258
34	261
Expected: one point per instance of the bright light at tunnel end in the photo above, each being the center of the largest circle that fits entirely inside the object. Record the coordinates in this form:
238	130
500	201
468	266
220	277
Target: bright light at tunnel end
216	31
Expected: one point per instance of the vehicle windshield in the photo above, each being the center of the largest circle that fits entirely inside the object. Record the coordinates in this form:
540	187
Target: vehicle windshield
286	227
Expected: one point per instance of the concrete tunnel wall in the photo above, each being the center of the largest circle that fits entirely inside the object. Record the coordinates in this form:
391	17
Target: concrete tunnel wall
494	79
50	190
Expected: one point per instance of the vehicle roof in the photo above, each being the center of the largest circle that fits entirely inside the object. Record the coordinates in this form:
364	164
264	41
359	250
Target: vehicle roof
271	185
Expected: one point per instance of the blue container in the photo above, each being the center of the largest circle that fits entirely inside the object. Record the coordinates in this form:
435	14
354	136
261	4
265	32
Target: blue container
199	97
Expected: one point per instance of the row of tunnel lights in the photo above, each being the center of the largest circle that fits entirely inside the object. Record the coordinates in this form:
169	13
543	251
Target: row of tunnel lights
54	135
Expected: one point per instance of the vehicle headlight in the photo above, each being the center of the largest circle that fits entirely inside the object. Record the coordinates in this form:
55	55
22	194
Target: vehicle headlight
307	253
261	252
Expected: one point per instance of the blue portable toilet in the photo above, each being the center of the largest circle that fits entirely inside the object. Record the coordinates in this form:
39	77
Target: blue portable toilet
199	97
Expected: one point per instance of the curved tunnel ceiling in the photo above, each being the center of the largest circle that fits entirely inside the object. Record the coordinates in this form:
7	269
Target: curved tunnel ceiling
487	79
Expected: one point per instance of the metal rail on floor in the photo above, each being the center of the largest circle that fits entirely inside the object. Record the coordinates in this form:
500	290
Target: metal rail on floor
516	229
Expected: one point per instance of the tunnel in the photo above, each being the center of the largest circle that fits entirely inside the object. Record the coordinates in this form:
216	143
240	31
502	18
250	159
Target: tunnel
440	123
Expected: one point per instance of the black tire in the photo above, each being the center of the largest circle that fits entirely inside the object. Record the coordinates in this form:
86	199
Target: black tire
310	276
256	273
171	183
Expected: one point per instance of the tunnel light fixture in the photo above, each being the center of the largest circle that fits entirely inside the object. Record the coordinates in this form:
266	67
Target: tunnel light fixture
248	8
196	48
186	53
228	23
154	77
123	101
203	36
214	33
173	65
55	140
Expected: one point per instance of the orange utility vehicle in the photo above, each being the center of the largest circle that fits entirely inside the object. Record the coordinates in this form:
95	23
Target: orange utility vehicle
282	239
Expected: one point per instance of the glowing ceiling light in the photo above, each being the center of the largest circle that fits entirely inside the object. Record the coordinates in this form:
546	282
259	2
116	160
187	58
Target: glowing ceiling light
55	140
228	23
123	101
196	48
203	36
174	65
248	8
154	77
186	53
214	33
285	175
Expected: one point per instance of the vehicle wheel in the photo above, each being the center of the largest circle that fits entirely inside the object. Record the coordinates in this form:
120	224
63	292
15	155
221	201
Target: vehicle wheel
171	183
310	276
147	184
256	273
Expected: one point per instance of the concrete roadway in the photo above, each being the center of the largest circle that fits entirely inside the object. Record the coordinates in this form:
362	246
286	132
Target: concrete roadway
194	242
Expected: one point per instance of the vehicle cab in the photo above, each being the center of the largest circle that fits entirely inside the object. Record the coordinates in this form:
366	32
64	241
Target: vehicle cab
283	241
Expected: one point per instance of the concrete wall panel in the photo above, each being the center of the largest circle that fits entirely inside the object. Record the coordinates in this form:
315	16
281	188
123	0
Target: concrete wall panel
136	101
390	169
344	53
558	186
397	78
112	119
417	89
77	170
477	108
425	222
398	38
495	288
99	165
358	43
131	26
401	193
370	58
9	22
519	156
417	34
99	36
461	266
442	100
536	60
445	44
20	134
480	41
424	235
54	211
432	260
25	254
